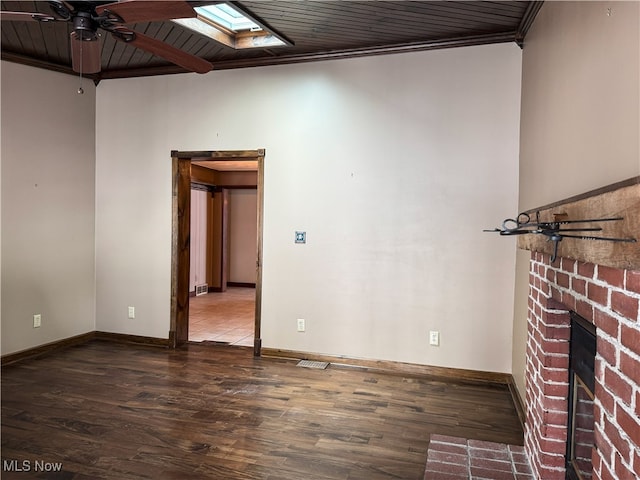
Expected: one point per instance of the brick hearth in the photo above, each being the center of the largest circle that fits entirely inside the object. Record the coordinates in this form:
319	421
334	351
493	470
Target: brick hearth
609	298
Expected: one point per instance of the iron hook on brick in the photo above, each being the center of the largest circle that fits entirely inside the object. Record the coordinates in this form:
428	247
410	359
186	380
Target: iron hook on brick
523	225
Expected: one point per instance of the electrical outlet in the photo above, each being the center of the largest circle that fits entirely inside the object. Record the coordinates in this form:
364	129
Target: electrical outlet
434	338
37	320
301	325
132	312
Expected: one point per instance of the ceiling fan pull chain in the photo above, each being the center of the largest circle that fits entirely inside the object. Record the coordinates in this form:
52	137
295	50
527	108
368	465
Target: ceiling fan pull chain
80	89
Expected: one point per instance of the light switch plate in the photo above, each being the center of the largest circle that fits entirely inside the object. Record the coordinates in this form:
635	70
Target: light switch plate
301	237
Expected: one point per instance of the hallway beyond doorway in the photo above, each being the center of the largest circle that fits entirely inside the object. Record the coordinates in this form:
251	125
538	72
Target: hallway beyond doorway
227	317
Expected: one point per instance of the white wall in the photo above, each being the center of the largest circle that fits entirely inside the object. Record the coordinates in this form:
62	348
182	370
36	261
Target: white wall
580	127
392	164
243	231
48	161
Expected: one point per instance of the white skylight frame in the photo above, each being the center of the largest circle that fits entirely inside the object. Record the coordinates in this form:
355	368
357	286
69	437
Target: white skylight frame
226	16
228	25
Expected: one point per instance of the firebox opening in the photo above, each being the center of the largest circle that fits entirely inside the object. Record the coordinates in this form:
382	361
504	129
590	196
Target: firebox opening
580	441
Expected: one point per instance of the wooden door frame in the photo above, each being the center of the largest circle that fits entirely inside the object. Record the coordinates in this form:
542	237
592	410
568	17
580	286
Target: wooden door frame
180	241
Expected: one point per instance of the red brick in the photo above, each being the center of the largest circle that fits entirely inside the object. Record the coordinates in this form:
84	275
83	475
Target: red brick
492	454
618	386
555	432
598	294
555	389
579	286
631	426
553	461
548	403
630	338
567	265
433	466
633	280
606	350
522	467
448	448
554	346
622	471
636	463
445	476
630	367
557	319
569	301
602	444
489	473
606	323
498	465
613	276
551	473
605	398
562	279
584	309
620	444
606	472
555	332
552	304
551	417
445	457
624	305
555	361
586	269
555	375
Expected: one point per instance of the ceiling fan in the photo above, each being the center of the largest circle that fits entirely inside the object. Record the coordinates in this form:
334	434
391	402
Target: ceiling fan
88	16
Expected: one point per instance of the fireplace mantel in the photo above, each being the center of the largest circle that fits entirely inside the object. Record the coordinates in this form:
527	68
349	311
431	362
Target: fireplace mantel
621	199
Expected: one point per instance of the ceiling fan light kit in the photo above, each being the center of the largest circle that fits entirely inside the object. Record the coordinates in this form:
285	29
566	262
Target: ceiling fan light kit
87	17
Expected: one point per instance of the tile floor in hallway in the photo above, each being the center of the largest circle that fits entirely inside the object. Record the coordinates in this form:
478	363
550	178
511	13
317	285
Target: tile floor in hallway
223	316
453	458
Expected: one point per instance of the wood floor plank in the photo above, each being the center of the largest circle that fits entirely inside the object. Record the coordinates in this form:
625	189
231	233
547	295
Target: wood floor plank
115	411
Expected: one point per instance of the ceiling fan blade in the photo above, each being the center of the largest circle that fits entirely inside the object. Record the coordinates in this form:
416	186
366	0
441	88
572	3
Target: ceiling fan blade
86	54
134	11
164	50
26	17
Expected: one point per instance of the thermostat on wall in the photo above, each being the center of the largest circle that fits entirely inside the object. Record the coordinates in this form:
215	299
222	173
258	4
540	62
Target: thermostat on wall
301	237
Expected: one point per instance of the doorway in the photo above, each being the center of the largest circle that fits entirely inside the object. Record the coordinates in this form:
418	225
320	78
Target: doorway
187	169
223	253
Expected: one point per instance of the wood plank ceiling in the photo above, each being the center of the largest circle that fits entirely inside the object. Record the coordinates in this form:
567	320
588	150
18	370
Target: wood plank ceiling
318	29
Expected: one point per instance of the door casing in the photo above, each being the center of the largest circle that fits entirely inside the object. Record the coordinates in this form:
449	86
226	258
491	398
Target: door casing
180	237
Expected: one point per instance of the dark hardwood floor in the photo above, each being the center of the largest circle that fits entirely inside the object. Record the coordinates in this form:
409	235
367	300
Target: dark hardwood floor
109	410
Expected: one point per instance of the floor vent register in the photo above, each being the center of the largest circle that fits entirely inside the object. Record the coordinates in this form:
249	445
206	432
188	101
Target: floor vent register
312	364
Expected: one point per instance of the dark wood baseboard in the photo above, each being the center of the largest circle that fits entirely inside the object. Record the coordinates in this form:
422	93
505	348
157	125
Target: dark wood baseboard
517	401
241	284
215	289
412	369
134	339
46	348
80	339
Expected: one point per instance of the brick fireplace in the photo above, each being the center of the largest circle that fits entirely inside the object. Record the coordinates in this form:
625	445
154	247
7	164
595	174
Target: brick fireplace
610	299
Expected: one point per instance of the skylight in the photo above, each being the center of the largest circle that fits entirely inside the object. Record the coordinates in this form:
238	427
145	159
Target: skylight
231	27
226	16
